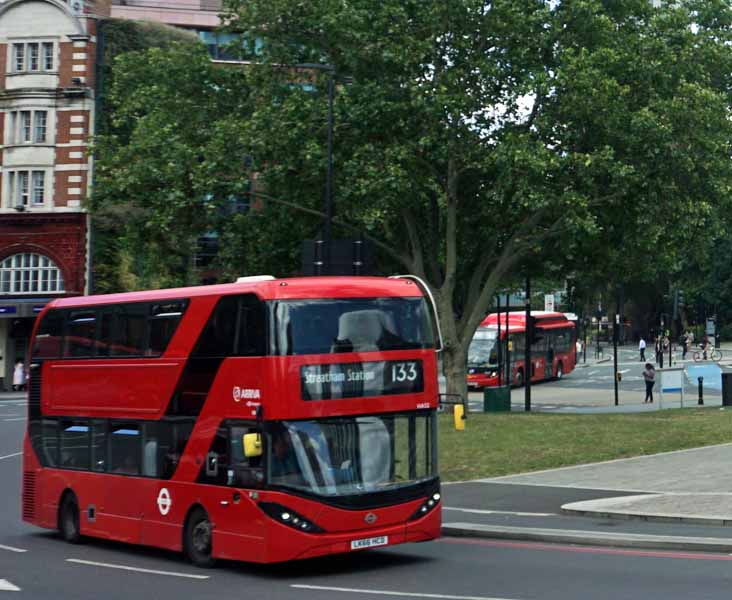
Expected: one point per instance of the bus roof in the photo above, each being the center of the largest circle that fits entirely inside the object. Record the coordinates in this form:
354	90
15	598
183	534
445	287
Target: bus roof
517	320
274	289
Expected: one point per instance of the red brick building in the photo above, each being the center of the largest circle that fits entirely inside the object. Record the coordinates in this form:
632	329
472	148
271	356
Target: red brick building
47	102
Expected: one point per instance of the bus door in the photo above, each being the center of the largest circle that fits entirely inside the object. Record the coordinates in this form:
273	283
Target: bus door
549	353
539	358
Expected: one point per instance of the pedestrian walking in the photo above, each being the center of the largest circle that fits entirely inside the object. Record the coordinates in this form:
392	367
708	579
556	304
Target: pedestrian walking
19	376
684	345
649	374
642	349
658	349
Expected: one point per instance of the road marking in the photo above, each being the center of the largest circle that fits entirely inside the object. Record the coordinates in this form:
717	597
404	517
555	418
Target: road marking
136	569
624	371
552	547
499	512
18	419
11	455
12	549
6	586
391	593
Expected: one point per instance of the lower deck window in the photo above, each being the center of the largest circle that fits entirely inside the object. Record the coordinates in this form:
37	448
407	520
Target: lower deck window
124	449
74	445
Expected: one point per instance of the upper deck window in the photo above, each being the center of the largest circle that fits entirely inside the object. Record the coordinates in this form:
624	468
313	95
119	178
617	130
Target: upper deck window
352	325
237	327
133	329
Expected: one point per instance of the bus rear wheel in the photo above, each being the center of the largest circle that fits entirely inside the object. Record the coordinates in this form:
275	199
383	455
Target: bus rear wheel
560	372
198	537
520	378
68	519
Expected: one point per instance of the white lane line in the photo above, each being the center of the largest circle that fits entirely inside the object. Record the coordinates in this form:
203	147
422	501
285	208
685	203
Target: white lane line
10	455
392	593
477	511
6	586
18	419
136	569
12	549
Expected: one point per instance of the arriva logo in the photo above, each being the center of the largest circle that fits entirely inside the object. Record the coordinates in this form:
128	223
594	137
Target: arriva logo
240	394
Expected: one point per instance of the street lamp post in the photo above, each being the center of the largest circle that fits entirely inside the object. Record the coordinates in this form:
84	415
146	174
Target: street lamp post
323	266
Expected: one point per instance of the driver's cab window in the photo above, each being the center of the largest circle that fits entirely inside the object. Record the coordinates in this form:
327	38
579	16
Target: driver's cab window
226	462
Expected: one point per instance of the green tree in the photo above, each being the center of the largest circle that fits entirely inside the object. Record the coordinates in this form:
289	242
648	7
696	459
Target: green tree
481	140
171	164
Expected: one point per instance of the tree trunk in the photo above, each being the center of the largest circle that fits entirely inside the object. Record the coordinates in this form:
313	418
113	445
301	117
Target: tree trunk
454	361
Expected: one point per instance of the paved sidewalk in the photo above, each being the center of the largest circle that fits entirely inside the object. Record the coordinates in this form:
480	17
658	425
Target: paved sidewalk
675	500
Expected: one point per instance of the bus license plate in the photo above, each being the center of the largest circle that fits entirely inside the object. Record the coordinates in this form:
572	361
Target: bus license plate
382	540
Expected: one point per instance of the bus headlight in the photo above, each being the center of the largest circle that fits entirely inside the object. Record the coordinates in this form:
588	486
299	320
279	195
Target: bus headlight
428	505
288	517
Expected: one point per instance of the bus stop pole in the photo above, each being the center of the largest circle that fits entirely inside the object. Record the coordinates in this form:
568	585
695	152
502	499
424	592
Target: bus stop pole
615	355
527	349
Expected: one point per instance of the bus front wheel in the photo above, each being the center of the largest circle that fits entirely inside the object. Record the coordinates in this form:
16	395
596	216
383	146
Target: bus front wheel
519	378
198	536
560	371
68	518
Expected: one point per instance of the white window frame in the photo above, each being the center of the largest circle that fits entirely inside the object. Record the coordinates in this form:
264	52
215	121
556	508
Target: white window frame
37	188
28	188
46	55
33	56
28	126
40	126
29	273
18	58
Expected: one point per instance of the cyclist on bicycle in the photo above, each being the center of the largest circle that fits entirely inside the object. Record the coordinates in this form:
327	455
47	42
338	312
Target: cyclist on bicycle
705	345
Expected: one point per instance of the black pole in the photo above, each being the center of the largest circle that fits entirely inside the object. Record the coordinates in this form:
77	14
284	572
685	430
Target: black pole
527	349
508	344
329	180
615	355
701	390
499	353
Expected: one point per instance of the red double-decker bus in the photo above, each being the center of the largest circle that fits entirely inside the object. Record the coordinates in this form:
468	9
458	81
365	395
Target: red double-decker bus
265	420
552	355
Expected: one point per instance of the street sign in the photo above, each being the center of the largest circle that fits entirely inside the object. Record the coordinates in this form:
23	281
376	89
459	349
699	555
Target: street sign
549	302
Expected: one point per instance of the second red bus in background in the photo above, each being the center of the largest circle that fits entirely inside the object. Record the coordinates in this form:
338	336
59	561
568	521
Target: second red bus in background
553	354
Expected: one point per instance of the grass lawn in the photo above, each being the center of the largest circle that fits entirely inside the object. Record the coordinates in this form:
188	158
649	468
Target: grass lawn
503	443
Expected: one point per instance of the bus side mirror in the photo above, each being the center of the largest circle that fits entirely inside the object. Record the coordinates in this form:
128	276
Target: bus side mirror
252	443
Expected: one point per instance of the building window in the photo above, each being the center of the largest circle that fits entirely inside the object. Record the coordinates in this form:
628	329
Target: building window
18	57
39	184
33	57
48	56
26	189
29	273
40	118
27	127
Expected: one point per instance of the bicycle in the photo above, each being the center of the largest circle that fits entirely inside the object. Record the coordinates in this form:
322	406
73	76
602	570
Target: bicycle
714	354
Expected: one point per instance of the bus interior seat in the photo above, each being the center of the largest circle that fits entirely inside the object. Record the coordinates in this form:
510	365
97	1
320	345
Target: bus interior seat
362	328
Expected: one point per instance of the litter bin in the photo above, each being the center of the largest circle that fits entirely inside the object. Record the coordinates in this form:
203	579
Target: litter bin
727	387
498	399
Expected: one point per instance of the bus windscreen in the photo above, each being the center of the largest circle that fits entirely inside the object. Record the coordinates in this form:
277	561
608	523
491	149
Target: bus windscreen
482	350
352	325
352	455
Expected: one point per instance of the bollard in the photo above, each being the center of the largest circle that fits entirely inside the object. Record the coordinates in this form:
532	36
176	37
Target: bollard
701	390
458	415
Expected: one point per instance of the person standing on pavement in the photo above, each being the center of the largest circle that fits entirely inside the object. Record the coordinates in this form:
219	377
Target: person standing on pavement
649	374
642	349
684	345
19	376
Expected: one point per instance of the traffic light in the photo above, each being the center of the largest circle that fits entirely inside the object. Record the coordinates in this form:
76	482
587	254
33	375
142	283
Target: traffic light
535	334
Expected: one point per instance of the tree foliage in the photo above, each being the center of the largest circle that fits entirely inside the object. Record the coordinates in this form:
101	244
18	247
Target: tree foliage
478	141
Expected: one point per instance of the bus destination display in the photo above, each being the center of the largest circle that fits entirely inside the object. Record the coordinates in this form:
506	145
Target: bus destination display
357	380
